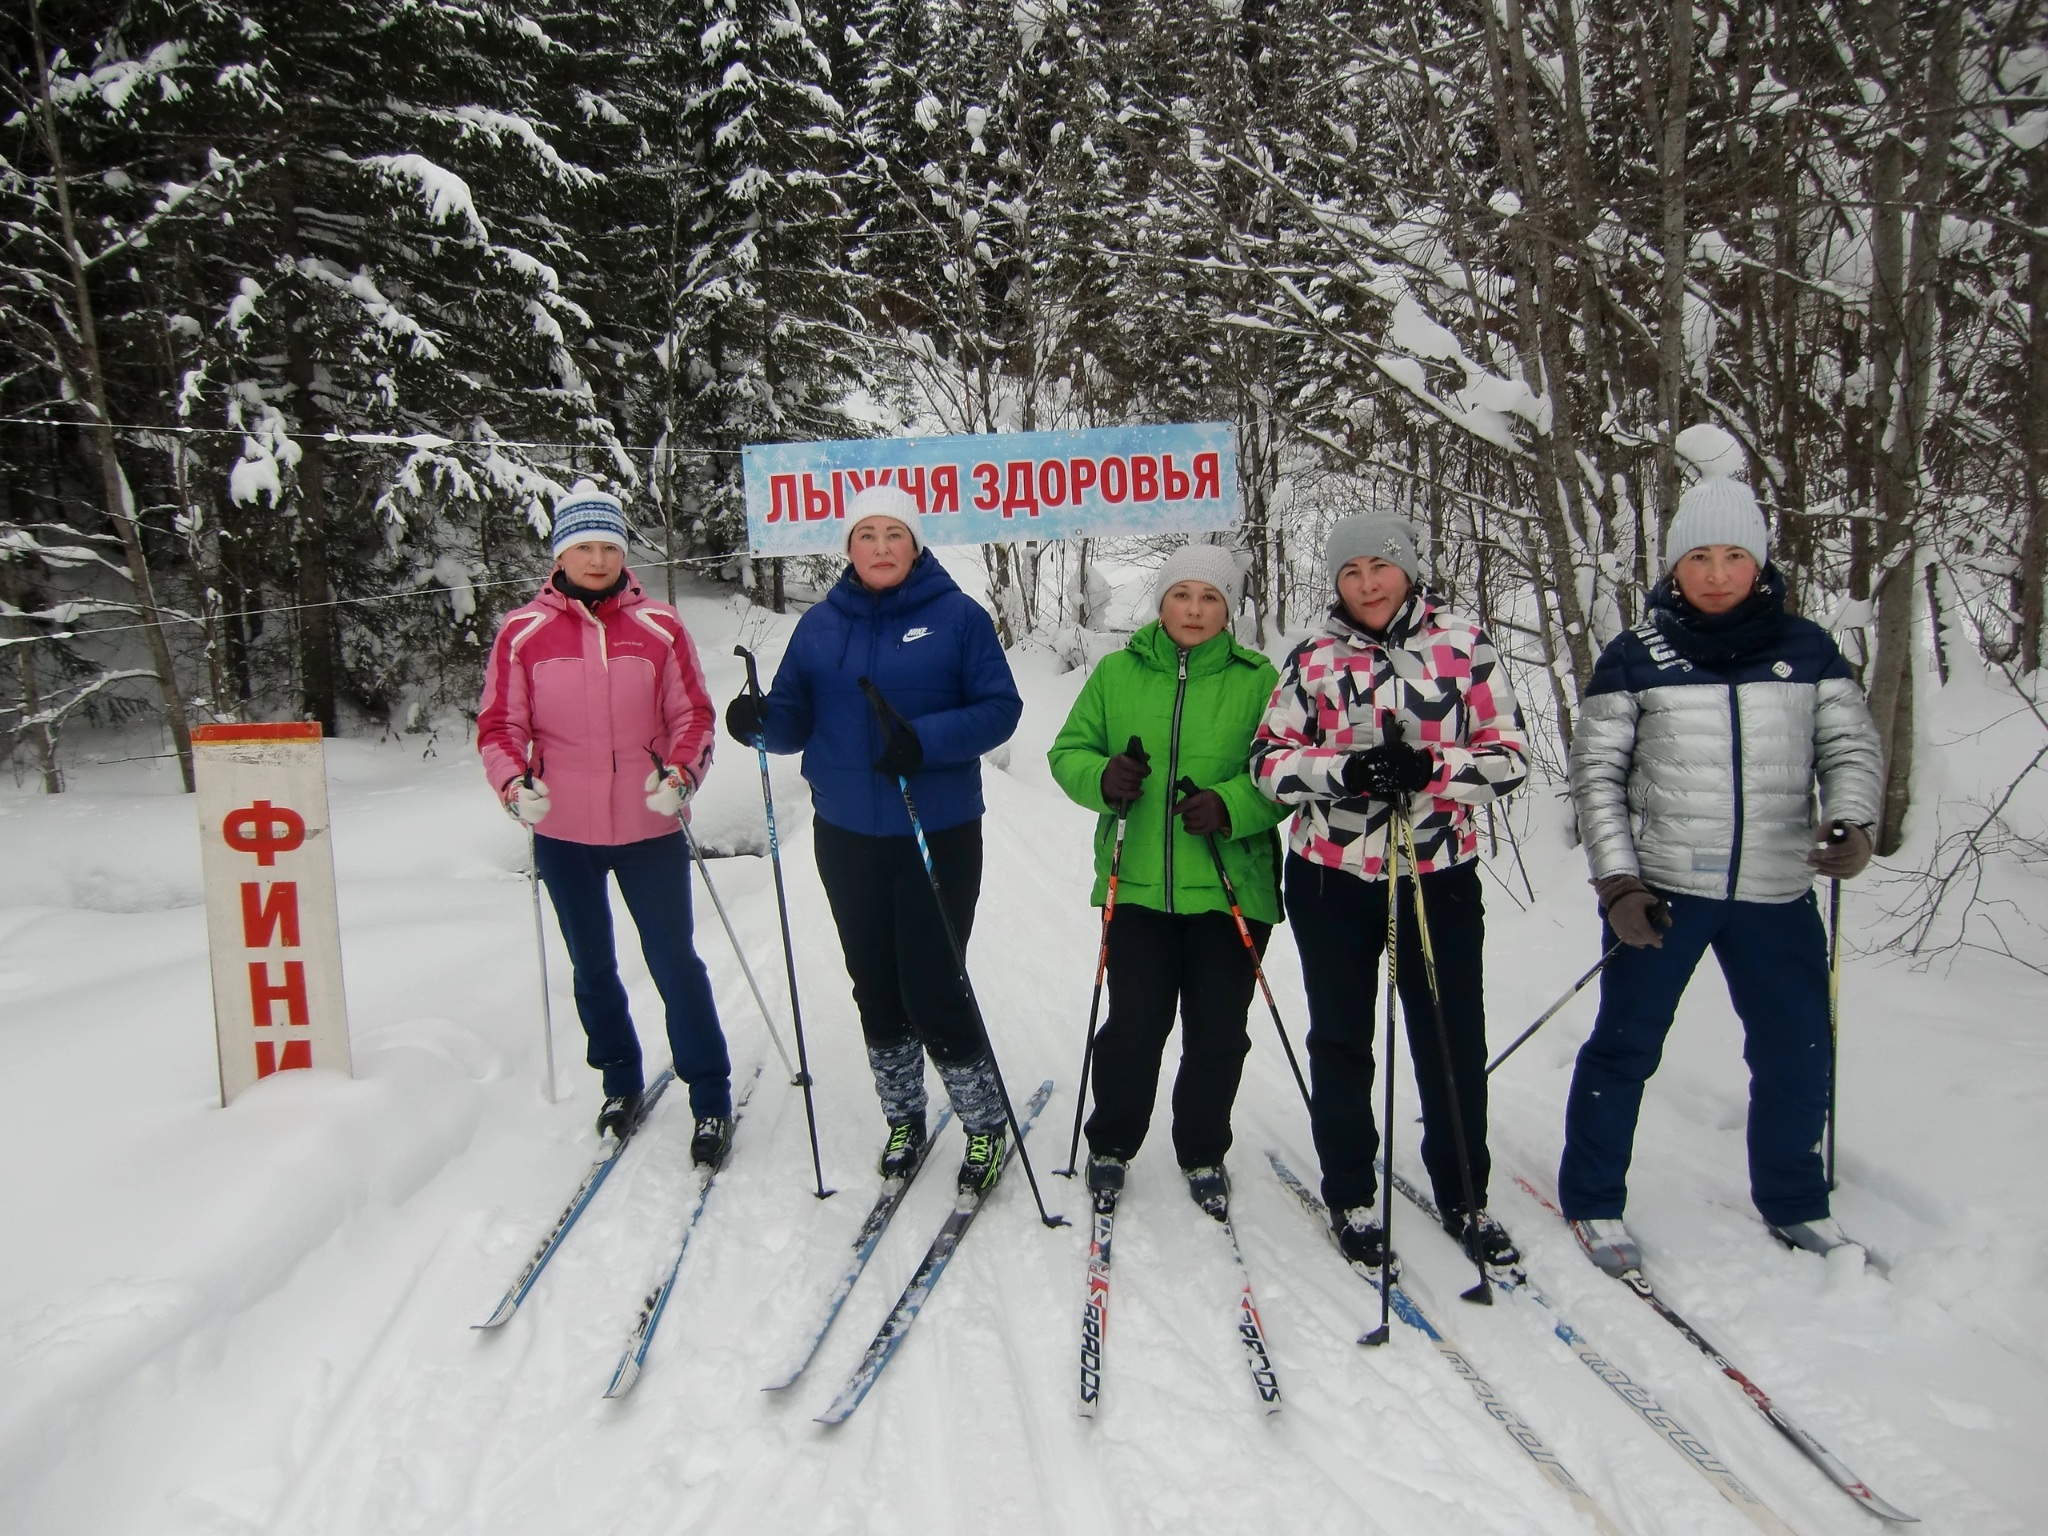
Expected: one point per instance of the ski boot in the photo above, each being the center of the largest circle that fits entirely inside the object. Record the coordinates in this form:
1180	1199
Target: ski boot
1362	1238
711	1141
904	1149
1209	1188
983	1164
1483	1239
1608	1245
620	1116
1106	1173
1823	1236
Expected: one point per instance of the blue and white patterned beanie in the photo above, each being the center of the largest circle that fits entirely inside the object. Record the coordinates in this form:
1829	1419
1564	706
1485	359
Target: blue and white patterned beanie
588	515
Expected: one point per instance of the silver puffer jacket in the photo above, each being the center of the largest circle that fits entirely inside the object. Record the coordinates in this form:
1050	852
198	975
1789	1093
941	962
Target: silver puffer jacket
1700	778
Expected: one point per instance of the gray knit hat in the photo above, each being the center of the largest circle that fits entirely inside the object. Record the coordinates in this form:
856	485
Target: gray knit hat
1212	563
1380	535
1717	510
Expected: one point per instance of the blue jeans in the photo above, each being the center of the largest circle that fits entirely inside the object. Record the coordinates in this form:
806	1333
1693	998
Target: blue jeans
1774	956
654	878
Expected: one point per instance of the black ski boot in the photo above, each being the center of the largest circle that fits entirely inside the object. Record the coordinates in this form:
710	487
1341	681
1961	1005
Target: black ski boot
1106	1174
904	1149
983	1164
711	1141
1484	1239
620	1116
1210	1189
1362	1238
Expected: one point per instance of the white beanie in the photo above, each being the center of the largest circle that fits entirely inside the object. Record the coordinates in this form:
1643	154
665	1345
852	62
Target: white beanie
1378	535
1717	510
883	501
587	515
1212	563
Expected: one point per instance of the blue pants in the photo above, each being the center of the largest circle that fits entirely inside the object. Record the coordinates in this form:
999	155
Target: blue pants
654	877
1774	956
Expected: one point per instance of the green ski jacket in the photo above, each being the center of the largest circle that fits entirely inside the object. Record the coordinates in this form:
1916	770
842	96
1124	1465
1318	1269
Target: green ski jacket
1196	712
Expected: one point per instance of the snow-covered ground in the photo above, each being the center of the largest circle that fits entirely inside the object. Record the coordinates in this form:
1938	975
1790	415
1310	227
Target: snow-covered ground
257	1320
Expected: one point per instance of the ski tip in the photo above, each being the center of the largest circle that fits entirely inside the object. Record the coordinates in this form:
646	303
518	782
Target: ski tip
623	1378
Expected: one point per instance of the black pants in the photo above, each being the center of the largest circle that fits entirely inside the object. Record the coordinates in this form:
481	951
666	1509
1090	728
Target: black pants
1340	927
1159	962
905	982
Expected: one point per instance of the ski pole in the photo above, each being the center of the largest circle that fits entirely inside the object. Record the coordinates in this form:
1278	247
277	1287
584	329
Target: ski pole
1187	787
540	949
1834	1012
1482	1293
1551	1012
1136	749
889	720
796	1012
697	853
1385	1331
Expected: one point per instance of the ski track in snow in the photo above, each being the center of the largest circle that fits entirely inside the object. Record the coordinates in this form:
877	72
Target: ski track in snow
220	1324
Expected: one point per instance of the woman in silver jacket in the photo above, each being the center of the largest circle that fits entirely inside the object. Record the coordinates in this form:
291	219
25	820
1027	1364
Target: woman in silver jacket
1693	769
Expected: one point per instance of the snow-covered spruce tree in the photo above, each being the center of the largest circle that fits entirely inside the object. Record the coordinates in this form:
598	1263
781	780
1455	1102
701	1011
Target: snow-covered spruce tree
764	337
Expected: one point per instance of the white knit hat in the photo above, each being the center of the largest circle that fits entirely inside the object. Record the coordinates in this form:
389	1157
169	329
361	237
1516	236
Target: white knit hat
1212	563
1717	510
883	501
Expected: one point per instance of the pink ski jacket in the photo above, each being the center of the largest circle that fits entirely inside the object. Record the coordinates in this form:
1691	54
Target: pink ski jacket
589	694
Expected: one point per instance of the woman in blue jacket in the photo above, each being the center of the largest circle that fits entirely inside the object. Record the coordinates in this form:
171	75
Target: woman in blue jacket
896	618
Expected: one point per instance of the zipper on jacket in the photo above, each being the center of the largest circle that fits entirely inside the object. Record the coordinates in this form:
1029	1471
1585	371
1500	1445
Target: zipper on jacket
1180	694
1735	764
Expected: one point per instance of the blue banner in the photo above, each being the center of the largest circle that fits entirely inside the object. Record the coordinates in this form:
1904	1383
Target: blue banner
1002	488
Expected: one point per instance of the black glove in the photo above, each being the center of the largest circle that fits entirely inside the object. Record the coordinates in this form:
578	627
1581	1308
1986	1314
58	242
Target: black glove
904	754
745	717
1637	914
1392	770
1204	812
1123	776
1845	853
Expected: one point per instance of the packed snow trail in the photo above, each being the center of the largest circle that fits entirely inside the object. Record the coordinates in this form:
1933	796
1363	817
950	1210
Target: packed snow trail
259	1320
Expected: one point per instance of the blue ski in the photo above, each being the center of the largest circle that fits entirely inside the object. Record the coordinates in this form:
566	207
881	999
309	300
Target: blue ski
865	1242
635	1356
600	1170
890	1335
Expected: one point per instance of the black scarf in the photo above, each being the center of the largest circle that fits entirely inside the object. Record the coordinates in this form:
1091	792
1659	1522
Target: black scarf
1715	639
562	584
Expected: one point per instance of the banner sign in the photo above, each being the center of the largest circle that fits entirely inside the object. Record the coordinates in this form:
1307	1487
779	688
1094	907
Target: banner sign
271	922
1001	488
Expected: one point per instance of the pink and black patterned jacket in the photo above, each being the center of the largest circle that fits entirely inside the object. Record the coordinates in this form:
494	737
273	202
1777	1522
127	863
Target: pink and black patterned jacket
1437	673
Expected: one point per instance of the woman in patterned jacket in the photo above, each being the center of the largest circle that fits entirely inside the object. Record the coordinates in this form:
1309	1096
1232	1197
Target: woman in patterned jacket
1704	734
1397	701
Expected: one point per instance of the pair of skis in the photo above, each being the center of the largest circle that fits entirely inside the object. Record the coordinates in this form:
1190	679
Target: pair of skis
627	1371
1251	1332
889	1337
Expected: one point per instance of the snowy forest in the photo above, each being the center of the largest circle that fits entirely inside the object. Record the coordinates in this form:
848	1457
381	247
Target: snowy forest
309	313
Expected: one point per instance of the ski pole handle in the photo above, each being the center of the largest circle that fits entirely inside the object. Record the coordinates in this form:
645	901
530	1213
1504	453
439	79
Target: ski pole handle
753	676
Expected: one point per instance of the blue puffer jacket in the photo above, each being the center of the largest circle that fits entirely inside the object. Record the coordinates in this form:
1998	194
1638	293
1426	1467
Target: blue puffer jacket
932	651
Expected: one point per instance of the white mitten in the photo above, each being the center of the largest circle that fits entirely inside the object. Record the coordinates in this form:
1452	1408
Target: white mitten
526	803
668	791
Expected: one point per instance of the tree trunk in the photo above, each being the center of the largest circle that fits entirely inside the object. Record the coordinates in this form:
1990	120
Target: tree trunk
317	668
119	502
1677	247
2034	542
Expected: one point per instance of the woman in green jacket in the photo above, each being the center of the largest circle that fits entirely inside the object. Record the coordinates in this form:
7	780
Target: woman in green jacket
1193	697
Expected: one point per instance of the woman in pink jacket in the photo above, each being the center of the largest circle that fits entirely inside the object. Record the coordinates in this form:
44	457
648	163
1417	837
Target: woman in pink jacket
595	730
